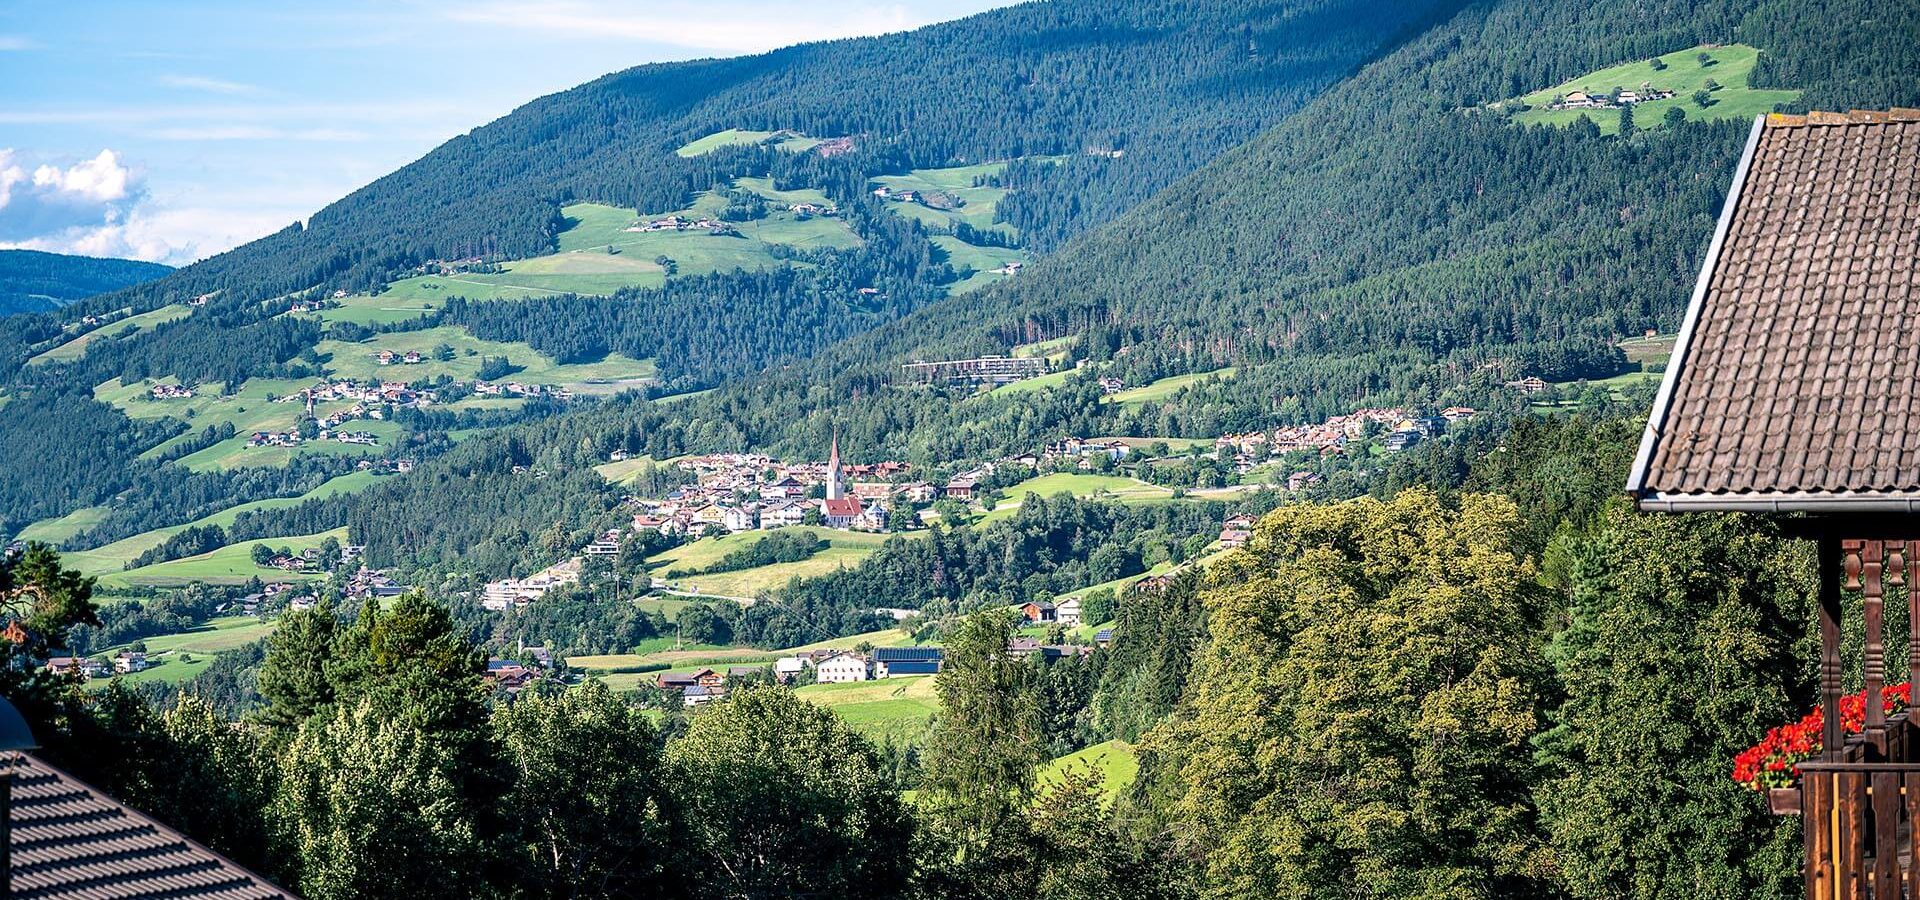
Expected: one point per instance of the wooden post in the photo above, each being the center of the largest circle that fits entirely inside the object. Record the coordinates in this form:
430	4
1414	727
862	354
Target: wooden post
1830	563
1873	589
1912	558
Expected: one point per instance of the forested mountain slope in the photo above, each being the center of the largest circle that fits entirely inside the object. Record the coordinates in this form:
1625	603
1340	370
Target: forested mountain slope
1170	84
1096	104
32	281
1393	241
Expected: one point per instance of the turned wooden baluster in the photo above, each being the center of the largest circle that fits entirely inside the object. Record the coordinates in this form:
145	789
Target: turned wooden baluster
1873	590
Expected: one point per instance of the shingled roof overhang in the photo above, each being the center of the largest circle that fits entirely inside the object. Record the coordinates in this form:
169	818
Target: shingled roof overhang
70	840
1794	385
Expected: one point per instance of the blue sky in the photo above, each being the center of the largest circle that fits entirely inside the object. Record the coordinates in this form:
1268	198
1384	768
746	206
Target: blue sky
174	130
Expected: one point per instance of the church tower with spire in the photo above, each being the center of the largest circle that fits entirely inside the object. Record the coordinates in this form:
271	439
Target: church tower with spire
836	485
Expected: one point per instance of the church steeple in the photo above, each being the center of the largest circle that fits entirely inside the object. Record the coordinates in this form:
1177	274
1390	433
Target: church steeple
836	488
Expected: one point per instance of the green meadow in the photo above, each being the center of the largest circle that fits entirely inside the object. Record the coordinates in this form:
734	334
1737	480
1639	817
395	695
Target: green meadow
173	658
790	141
889	709
115	556
59	531
1113	765
598	255
977	203
844	549
248	410
1731	68
1166	387
360	360
76	347
1036	383
232	564
982	260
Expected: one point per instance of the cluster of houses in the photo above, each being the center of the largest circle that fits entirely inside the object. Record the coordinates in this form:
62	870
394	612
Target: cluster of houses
1528	385
744	492
293	438
679	223
813	209
126	662
517	389
1614	100
171	392
370	583
510	593
1403	429
1044	612
512	676
390	358
829	667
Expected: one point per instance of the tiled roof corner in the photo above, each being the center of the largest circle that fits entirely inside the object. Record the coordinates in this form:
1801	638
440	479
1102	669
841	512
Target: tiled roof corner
68	839
1800	372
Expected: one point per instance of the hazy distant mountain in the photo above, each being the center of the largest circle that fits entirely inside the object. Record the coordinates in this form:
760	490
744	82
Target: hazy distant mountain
32	281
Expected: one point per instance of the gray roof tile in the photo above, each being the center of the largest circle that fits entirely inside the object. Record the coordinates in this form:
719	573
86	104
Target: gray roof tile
1800	374
72	841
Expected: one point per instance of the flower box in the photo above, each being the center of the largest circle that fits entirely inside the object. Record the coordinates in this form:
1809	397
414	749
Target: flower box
1784	801
1773	764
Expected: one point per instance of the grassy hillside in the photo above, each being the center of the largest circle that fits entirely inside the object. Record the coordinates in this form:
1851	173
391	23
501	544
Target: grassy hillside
232	564
1730	67
114	557
892	709
1112	764
739	137
76	346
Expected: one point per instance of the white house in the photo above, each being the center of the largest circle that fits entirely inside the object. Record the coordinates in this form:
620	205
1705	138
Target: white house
787	668
741	518
783	513
843	668
1067	612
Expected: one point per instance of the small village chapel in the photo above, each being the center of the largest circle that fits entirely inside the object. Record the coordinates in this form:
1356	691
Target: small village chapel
1794	391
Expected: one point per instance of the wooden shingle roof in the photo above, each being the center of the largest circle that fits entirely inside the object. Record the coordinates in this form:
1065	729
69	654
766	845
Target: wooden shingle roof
70	840
1795	383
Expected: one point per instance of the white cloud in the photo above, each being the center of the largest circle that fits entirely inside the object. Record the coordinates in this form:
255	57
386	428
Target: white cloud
101	179
14	42
62	204
754	27
210	85
175	236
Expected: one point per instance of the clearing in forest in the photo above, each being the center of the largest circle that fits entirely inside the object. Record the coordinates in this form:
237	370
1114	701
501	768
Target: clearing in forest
1724	76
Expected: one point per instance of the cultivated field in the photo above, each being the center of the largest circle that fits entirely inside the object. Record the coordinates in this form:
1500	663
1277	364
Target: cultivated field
1732	65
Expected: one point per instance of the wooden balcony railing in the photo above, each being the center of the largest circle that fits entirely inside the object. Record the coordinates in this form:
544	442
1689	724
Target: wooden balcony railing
1859	812
1860	800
